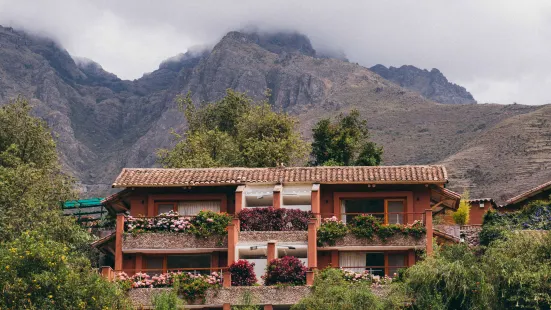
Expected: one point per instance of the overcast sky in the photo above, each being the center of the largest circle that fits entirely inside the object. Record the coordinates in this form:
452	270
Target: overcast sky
499	50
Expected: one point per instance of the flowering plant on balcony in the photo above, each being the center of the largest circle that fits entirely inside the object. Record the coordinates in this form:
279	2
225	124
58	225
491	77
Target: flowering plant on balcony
188	284
242	273
141	279
194	286
271	219
365	226
204	224
330	231
286	270
355	277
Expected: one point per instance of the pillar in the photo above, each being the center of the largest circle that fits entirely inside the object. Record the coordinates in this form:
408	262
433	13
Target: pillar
312	244
315	201
233	235
310	277
268	307
271	250
335	259
411	258
226	306
277	196
107	273
428	226
139	262
239	198
118	241
226	278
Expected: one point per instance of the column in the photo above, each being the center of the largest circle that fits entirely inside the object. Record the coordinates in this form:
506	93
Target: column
271	250
233	235
239	198
118	241
428	226
277	196
316	208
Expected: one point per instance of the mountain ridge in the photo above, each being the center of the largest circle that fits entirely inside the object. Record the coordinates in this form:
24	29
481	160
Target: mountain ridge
104	123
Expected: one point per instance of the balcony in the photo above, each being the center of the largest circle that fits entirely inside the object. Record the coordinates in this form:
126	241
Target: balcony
170	231
375	231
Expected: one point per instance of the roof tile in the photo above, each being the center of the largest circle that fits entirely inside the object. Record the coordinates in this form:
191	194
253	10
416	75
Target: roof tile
156	177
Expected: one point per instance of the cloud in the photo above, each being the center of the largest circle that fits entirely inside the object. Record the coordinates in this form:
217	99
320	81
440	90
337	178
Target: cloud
498	49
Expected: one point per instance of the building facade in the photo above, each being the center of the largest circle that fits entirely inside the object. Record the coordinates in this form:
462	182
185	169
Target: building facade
394	195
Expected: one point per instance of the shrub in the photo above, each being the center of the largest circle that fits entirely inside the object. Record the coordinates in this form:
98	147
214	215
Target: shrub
39	273
242	273
461	216
364	226
271	219
286	270
208	223
330	231
204	224
168	300
141	279
331	291
194	286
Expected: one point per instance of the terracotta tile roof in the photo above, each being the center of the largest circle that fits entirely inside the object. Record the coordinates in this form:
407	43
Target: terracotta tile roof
527	194
154	177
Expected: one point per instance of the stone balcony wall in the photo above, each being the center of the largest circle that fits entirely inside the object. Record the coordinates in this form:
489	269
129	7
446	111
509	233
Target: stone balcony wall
279	236
397	240
261	295
170	240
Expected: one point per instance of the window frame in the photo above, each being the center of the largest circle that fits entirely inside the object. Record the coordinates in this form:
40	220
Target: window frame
385	206
173	203
387	267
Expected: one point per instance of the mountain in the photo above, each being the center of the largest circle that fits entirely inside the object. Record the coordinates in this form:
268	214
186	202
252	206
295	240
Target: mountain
430	84
103	123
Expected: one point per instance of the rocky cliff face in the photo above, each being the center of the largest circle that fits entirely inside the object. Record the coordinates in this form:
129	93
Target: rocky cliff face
430	84
104	123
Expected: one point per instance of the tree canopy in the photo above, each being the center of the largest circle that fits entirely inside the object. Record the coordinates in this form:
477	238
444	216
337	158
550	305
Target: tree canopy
44	256
344	142
235	132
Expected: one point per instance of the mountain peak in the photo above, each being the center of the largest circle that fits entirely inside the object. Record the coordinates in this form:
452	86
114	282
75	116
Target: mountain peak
431	84
275	42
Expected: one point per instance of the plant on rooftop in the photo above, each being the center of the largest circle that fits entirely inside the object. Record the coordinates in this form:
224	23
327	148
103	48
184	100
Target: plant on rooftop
271	219
204	224
242	273
194	286
330	231
367	227
287	270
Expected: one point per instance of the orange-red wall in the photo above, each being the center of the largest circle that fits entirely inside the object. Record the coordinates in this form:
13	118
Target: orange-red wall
477	213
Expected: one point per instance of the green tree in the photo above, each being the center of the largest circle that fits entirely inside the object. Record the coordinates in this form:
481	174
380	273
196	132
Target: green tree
39	273
31	181
452	278
43	254
344	142
330	291
235	131
461	216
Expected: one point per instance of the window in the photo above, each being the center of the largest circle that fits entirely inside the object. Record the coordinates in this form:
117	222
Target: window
188	261
375	263
164	207
395	211
154	264
395	262
193	207
388	211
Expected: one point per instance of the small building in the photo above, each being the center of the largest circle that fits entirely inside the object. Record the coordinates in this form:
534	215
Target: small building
400	195
540	192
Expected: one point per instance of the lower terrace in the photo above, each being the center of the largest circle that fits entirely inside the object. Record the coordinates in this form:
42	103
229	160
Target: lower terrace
151	251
